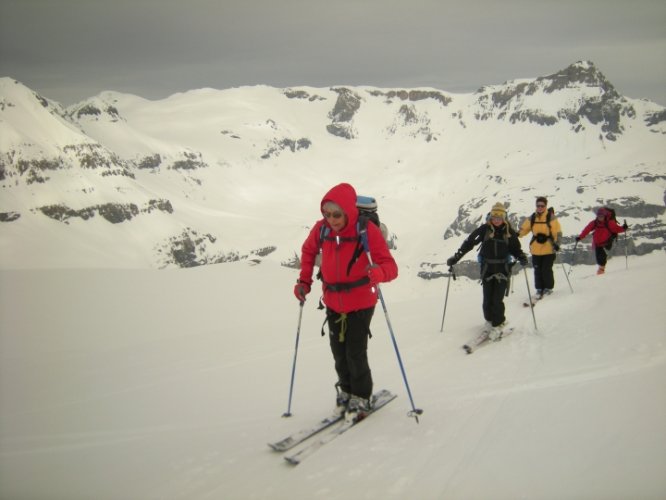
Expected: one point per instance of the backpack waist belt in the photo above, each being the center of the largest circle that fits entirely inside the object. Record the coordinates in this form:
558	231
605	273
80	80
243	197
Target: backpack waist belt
345	287
495	261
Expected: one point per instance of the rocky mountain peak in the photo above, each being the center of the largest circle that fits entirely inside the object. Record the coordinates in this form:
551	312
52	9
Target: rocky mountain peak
579	74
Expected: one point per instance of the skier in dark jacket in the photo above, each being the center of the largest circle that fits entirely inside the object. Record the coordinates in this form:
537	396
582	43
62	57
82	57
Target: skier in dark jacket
498	241
604	228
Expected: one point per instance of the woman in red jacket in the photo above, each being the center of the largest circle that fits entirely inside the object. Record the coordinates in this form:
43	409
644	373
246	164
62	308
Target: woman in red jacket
604	228
350	292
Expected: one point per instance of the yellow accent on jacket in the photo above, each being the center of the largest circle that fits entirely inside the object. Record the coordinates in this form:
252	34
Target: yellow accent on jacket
540	227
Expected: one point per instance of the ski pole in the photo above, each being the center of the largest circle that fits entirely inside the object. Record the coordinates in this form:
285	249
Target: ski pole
529	294
415	411
293	368
626	248
446	299
564	270
567	277
573	257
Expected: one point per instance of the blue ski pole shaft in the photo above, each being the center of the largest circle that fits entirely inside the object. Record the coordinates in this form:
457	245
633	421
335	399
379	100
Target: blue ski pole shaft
415	412
293	368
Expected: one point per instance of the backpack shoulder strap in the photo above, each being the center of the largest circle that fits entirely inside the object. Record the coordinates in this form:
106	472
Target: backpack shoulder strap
362	230
549	215
362	241
324	231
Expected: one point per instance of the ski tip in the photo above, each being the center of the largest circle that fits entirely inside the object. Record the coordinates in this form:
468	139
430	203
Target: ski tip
292	460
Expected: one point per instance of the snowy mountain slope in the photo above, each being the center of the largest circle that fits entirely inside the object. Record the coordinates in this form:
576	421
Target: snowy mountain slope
138	383
168	384
211	176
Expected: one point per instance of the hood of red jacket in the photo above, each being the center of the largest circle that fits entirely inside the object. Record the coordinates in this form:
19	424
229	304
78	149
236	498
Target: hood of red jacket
343	195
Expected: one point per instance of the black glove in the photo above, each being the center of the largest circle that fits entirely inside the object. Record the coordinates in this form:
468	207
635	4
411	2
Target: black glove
556	247
577	239
523	260
625	226
451	261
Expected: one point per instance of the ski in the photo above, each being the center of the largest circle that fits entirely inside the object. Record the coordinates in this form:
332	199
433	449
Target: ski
300	436
505	333
379	400
534	302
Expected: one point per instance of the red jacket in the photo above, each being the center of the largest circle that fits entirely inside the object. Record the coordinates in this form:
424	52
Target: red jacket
603	230
336	254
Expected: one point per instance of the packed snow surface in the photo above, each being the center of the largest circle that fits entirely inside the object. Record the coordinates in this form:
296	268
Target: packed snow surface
147	384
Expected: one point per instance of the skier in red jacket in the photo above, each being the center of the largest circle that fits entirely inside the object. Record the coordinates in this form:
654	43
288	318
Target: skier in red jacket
350	293
605	227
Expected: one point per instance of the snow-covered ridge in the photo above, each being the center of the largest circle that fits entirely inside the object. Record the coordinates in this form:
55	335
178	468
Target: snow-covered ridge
241	170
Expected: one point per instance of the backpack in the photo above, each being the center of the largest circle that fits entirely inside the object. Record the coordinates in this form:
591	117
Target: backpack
612	216
367	211
613	236
549	215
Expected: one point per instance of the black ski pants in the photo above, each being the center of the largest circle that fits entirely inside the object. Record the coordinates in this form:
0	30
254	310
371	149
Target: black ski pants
348	336
601	255
543	271
494	289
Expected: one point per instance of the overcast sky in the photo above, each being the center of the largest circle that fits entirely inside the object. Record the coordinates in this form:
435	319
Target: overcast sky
68	50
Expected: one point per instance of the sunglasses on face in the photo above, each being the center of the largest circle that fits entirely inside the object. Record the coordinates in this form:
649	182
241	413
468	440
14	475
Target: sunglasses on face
540	205
332	215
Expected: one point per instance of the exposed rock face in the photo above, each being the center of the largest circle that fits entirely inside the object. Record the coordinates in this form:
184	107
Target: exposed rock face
602	105
342	114
112	212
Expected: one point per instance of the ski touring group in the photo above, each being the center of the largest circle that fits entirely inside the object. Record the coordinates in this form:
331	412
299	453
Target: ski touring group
499	249
349	247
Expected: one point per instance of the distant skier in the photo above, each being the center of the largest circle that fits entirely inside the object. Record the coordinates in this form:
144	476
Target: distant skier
545	229
605	229
350	291
498	242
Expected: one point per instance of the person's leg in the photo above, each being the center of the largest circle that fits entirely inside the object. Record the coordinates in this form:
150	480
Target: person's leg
356	352
547	275
537	264
497	301
337	324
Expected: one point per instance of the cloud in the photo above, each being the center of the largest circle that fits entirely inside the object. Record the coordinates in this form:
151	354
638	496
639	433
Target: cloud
157	47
